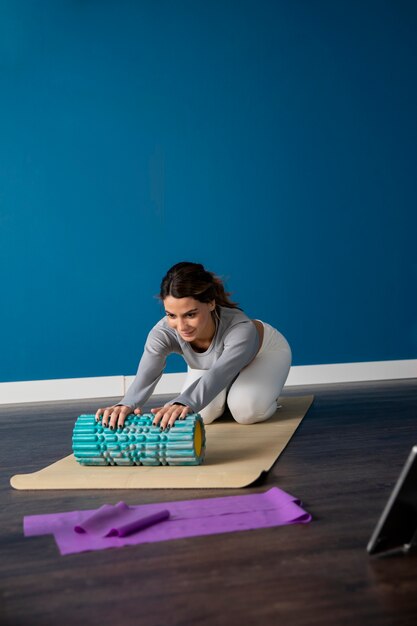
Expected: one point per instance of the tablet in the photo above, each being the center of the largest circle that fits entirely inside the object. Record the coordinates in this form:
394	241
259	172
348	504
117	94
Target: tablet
396	529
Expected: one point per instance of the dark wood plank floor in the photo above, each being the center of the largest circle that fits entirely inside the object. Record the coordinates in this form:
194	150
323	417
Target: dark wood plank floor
342	462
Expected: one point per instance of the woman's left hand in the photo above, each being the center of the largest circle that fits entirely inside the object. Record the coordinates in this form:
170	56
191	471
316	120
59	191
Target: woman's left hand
166	415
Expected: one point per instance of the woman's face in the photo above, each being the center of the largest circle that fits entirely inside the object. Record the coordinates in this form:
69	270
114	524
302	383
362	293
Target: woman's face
190	318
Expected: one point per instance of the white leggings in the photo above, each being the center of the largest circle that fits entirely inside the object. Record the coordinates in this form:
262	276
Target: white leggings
252	397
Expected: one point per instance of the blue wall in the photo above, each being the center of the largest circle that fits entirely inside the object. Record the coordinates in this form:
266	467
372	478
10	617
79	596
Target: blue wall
276	142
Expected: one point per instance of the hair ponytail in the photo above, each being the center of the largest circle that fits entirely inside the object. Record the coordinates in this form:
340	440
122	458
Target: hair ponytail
221	295
191	280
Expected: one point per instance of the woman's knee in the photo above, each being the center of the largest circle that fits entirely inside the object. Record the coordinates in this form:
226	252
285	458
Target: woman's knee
209	414
251	412
214	409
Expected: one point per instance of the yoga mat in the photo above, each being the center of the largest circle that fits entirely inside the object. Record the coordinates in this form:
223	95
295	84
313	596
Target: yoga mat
187	518
236	456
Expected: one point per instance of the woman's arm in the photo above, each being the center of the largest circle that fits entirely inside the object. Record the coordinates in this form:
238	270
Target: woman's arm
158	345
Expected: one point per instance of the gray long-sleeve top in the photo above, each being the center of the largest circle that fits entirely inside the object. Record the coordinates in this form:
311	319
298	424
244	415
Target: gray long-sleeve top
234	345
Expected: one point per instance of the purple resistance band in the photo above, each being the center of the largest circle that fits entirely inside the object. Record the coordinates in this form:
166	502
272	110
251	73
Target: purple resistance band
98	523
119	525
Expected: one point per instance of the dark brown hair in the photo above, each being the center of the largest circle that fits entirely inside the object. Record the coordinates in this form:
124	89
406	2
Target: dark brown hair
191	280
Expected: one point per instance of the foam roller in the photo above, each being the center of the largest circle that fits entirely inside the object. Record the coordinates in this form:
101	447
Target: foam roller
139	442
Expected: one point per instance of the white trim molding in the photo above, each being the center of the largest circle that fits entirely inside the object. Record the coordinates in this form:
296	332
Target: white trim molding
60	389
351	372
113	386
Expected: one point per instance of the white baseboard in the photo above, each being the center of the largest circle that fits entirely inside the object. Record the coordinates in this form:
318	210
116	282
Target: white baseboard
80	388
114	386
351	372
61	389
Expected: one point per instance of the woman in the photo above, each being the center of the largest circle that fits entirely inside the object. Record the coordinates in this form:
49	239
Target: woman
230	357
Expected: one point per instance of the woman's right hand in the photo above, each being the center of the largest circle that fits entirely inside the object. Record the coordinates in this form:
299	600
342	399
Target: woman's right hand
114	416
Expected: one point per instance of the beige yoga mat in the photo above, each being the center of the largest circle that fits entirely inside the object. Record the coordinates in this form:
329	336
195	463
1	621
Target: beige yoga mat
236	456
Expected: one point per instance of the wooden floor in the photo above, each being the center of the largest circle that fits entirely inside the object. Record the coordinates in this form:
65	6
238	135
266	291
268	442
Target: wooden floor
342	463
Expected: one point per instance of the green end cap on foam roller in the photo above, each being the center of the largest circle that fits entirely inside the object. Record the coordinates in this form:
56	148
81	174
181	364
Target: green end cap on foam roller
139	442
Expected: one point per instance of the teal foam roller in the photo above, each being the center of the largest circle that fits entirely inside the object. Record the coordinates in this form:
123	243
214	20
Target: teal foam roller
139	442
